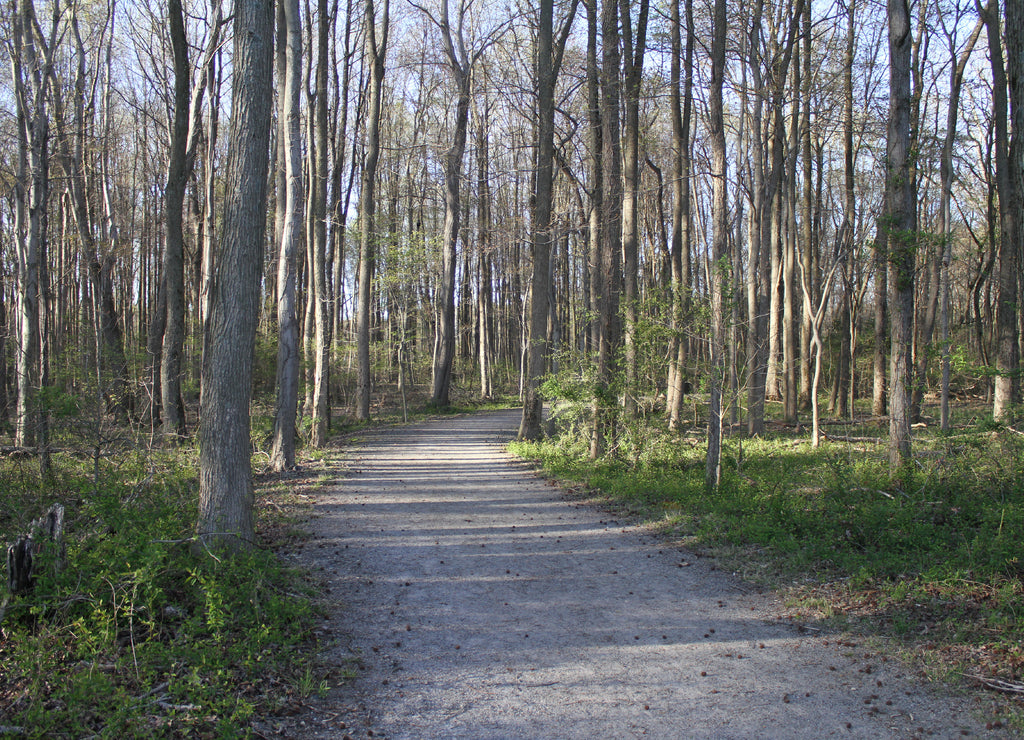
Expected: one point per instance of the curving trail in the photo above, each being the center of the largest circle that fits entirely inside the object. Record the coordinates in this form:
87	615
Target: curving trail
483	604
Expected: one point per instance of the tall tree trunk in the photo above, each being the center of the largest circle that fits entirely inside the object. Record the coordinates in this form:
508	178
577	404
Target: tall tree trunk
225	477
460	67
849	226
484	272
902	231
757	299
681	111
30	71
807	255
790	391
375	51
289	66
548	62
173	409
1015	72
945	217
608	330
1007	357
320	421
594	232
633	63
719	269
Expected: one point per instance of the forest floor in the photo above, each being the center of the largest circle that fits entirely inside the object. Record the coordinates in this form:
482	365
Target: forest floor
469	598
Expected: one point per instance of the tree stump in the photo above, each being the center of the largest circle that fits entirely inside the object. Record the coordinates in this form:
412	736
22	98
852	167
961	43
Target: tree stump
21	555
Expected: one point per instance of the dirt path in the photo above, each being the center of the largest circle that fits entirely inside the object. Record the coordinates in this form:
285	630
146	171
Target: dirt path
483	604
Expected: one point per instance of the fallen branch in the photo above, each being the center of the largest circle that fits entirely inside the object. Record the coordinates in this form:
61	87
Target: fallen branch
11	730
844	438
998	684
177	707
873	490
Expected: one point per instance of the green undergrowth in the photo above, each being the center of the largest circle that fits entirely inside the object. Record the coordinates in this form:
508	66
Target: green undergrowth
130	634
931	556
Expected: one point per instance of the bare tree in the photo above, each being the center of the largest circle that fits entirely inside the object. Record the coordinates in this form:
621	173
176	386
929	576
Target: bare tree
946	196
1007	181
901	228
31	61
376	51
318	247
185	136
460	60
289	64
681	107
633	63
548	62
609	263
719	248
225	475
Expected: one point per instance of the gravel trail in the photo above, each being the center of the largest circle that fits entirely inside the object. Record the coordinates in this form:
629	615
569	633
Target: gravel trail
483	604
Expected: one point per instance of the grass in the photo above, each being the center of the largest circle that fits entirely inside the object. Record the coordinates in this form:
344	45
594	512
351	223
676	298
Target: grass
930	557
135	637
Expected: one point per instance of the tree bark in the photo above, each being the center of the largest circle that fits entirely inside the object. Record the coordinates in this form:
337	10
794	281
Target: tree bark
320	421
610	267
548	62
681	111
901	232
633	63
375	52
225	476
289	55
460	66
1007	350
173	408
719	269
946	174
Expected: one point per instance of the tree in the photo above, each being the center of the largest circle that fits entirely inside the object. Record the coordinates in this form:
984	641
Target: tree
608	285
720	264
901	231
289	65
1008	167
548	62
31	62
946	196
681	109
633	55
225	476
376	50
318	244
185	136
460	59
1015	73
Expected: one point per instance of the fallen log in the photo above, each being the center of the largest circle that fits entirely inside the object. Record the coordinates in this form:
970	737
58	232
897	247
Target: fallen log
22	554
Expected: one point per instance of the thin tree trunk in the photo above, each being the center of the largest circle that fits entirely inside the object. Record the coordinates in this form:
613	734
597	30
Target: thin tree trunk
173	411
633	62
681	227
719	269
289	65
945	218
375	53
611	224
460	68
320	421
1007	358
902	231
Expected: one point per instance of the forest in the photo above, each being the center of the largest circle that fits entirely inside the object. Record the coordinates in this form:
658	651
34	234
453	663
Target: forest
229	231
470	201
